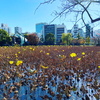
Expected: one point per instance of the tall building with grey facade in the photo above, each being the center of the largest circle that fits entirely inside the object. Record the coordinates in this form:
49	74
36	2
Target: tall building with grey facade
76	30
89	31
59	30
6	28
50	28
18	30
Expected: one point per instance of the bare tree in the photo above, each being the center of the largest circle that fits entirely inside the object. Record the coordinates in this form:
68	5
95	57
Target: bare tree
79	7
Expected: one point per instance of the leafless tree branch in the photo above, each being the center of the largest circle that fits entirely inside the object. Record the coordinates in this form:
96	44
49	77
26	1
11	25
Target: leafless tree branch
46	2
85	9
71	6
66	10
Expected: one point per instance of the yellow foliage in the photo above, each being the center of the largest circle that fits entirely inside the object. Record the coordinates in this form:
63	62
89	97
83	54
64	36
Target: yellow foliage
47	53
73	55
83	53
45	67
11	62
78	59
19	62
98	66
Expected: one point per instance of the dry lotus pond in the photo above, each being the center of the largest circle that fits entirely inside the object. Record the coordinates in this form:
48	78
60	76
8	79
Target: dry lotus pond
50	73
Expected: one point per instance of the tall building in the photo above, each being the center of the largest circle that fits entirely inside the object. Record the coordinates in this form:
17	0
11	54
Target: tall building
49	29
69	31
6	28
9	31
59	30
18	30
91	32
39	29
81	32
75	31
88	29
43	28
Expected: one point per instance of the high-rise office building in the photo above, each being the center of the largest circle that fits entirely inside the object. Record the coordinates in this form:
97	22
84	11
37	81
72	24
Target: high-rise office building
88	30
75	31
81	32
18	30
9	30
51	28
91	32
39	29
42	29
6	28
59	30
69	31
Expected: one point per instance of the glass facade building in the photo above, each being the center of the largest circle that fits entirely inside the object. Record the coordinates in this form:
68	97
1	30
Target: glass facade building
50	29
40	29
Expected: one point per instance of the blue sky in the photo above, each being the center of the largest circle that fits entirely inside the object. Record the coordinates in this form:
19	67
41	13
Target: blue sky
21	13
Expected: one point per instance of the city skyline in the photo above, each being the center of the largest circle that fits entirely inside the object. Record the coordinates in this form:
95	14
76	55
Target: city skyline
21	13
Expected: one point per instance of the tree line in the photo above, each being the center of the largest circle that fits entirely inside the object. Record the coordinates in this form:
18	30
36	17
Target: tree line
33	39
67	39
7	40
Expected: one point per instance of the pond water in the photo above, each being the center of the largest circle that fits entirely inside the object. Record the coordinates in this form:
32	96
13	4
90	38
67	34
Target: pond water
55	87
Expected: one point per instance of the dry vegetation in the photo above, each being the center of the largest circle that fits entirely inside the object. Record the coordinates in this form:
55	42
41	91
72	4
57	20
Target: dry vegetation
49	73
